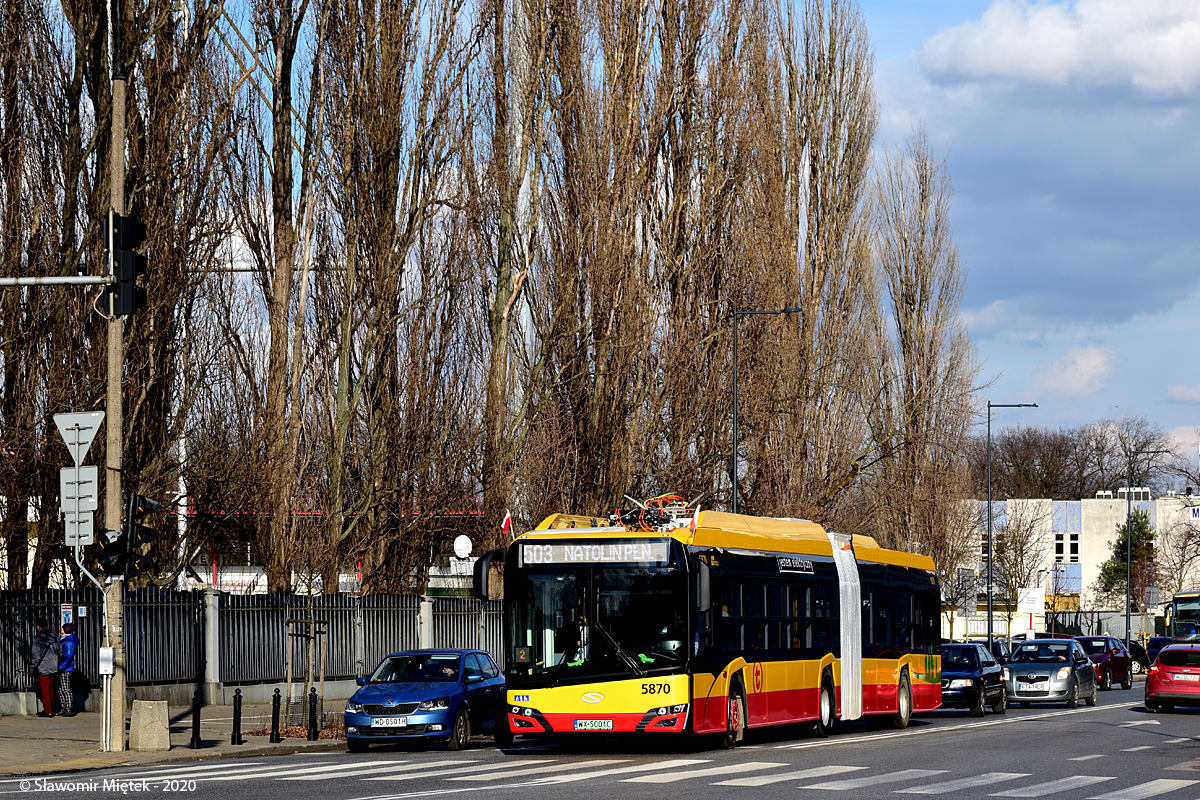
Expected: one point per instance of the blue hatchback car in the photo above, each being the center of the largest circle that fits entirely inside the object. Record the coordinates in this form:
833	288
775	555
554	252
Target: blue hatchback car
428	695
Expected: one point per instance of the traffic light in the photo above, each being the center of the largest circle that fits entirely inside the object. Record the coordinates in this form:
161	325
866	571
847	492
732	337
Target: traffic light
137	535
122	237
114	552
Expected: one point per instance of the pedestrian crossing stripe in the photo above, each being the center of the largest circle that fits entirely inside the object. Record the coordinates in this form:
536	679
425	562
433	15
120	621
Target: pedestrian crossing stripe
452	771
671	777
875	780
601	773
355	770
505	774
1060	785
986	779
799	775
1145	790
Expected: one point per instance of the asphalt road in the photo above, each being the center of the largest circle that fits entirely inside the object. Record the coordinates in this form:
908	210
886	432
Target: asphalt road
1114	751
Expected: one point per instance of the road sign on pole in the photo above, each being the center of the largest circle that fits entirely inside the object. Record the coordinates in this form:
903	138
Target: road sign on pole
78	530
78	489
78	431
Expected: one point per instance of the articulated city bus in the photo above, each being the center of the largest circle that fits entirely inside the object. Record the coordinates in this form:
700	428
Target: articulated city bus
681	620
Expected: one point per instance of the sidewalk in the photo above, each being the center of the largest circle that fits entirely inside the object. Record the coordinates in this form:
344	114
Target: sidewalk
31	745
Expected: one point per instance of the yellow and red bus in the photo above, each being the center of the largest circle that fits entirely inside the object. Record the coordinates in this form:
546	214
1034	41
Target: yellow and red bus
683	620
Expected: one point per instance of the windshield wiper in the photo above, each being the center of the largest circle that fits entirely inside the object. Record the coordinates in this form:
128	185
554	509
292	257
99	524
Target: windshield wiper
628	659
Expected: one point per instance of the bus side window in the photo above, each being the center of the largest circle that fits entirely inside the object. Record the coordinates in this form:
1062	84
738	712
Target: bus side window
755	600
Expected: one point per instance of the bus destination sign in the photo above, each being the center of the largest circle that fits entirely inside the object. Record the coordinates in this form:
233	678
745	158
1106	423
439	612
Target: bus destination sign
639	552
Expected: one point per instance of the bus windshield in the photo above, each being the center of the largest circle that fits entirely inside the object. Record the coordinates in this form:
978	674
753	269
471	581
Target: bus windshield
1187	616
585	622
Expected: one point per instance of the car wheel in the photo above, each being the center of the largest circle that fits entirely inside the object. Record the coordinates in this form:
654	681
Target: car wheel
462	731
1136	667
356	745
824	724
735	718
1091	698
1073	696
1001	705
1128	682
904	703
1106	681
978	707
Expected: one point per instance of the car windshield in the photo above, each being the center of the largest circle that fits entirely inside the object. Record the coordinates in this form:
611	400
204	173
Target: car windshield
959	658
1179	658
1094	647
1043	653
419	667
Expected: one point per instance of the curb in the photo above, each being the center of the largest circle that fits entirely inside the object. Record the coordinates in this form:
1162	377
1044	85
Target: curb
282	749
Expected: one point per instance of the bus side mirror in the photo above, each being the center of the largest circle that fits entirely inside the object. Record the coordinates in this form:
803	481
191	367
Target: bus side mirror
483	569
703	588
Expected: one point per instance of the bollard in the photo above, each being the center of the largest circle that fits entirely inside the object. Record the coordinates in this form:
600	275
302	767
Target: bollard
236	737
314	732
275	738
195	743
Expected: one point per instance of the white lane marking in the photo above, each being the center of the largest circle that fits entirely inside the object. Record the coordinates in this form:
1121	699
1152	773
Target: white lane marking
1060	785
505	774
277	770
1151	789
600	773
1135	749
1141	722
874	780
1179	741
798	775
456	770
671	777
985	779
1086	758
225	772
352	771
879	737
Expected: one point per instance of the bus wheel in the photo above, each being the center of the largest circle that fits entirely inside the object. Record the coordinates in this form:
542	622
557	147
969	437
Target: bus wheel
735	719
824	724
904	702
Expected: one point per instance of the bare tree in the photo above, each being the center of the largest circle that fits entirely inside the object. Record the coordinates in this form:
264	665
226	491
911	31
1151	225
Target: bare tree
1021	551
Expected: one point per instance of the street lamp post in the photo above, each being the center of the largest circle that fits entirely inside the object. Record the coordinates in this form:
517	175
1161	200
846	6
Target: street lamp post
990	406
733	467
1129	535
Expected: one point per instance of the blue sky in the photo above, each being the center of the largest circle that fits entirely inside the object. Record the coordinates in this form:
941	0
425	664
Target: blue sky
1072	134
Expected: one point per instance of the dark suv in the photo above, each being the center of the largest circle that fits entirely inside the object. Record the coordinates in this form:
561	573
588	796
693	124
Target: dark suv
972	679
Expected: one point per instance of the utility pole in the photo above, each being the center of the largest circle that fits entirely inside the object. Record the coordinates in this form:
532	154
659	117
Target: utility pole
115	593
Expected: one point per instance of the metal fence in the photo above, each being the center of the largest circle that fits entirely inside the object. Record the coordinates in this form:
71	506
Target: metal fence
164	632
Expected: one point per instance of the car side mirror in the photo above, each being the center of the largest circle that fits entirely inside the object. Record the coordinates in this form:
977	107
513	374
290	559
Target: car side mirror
361	680
474	678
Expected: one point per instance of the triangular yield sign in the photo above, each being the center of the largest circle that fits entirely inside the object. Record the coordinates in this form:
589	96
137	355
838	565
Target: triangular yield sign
78	430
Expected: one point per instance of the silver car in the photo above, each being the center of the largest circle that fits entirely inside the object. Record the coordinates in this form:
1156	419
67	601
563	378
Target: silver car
1050	671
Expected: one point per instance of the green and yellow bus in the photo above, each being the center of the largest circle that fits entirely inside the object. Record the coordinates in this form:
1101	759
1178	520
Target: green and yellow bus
681	620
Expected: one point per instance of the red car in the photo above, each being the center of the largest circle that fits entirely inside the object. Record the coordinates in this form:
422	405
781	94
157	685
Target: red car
1112	660
1174	678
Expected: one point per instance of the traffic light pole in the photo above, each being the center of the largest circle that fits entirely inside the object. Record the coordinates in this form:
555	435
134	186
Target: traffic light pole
114	695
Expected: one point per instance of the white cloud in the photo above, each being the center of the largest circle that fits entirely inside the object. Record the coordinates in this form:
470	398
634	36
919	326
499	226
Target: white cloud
1183	394
1185	440
1082	372
1152	46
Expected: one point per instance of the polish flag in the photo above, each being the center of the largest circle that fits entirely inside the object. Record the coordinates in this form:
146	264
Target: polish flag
506	526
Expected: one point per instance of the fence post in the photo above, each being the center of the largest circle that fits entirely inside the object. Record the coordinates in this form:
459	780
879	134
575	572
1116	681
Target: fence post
425	624
275	738
197	699
212	645
360	647
236	736
314	732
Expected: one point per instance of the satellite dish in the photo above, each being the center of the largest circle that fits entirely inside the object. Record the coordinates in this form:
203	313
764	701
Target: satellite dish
462	546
